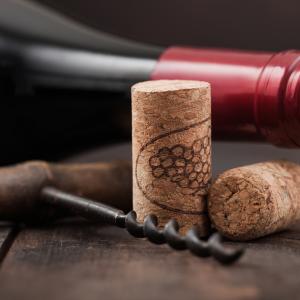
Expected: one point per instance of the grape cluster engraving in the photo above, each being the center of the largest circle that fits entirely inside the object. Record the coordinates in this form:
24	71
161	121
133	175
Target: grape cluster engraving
188	167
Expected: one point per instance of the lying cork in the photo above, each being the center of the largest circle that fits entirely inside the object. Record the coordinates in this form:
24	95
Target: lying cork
255	200
171	138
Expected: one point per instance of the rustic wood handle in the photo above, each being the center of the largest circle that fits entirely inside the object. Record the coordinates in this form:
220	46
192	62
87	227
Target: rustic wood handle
20	186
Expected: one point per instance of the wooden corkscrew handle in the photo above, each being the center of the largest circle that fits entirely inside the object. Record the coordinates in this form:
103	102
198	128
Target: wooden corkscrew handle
20	186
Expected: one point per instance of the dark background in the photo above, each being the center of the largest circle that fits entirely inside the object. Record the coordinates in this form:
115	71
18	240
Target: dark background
270	25
256	24
54	124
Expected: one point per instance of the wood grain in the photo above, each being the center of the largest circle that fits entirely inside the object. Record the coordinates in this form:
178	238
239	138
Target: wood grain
89	261
8	233
94	261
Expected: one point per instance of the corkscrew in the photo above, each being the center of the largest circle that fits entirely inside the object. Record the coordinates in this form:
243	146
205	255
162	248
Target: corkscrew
169	235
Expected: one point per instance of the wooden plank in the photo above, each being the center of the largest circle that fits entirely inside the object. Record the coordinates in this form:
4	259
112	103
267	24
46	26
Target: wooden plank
86	261
4	231
8	233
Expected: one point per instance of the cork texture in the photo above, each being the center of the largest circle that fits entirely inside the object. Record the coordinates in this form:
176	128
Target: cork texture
255	200
171	137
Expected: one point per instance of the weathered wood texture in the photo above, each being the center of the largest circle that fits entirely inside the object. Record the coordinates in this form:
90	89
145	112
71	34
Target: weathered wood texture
86	261
4	231
8	233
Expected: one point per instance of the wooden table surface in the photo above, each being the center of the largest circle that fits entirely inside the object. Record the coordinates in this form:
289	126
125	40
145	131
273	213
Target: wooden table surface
81	260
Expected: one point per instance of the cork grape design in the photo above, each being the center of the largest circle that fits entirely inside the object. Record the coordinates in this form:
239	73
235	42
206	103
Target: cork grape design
188	167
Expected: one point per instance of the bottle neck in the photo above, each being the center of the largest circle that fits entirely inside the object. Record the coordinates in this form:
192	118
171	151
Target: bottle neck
277	100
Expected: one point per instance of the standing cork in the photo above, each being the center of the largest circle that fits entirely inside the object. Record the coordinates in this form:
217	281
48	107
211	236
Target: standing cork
252	201
171	139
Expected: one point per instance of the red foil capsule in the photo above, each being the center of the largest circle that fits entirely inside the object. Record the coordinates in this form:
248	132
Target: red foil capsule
255	96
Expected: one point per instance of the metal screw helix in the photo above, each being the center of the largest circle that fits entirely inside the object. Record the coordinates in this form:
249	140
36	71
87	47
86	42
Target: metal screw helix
170	235
149	229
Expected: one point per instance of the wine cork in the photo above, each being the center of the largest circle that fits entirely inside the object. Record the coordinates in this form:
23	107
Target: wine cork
255	200
171	140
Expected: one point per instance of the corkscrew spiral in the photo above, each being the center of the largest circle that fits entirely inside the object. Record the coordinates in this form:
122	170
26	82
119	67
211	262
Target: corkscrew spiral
170	235
149	229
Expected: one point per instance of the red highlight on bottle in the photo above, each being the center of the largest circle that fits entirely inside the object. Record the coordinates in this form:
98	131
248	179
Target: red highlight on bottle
255	95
